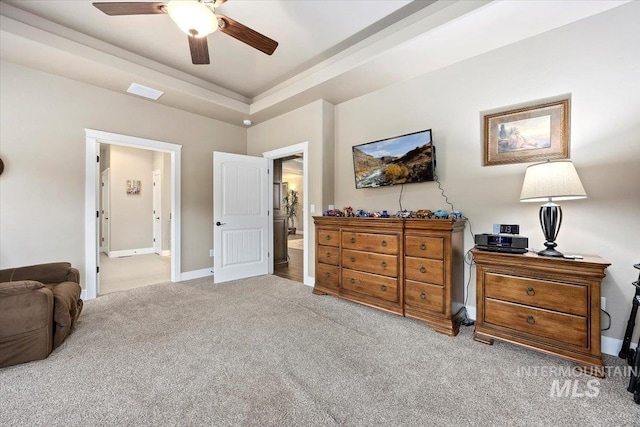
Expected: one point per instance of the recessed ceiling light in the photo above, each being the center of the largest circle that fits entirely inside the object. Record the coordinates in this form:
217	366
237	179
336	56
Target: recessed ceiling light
247	122
145	92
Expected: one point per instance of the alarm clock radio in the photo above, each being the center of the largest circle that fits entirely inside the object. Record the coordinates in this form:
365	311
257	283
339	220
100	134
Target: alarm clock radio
502	243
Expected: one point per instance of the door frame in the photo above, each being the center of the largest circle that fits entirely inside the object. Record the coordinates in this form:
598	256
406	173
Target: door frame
105	201
157	200
302	147
93	140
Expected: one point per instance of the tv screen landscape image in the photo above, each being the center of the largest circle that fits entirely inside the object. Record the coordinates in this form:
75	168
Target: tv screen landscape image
399	160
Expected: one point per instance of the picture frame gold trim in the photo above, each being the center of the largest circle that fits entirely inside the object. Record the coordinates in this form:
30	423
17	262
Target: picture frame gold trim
530	134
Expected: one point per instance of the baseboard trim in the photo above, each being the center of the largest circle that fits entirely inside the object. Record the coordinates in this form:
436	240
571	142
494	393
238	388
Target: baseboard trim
471	312
130	252
196	274
612	346
309	281
608	345
166	252
83	295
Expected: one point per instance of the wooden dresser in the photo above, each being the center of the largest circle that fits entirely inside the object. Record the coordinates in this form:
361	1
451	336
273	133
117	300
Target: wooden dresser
410	267
548	304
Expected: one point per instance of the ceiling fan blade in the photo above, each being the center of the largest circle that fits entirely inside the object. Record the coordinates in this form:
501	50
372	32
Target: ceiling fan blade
131	8
247	35
199	50
219	3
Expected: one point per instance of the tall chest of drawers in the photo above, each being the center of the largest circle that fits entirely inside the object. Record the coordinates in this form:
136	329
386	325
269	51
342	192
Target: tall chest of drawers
548	304
410	267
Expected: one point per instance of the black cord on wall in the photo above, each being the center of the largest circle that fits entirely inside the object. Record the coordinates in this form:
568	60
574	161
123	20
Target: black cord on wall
609	316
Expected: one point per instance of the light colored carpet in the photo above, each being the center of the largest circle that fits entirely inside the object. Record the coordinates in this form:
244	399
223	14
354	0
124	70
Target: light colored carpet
265	351
123	273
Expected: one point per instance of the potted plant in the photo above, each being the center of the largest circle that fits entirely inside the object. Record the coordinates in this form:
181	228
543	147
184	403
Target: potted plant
291	209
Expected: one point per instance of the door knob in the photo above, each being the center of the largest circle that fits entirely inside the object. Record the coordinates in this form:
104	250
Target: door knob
218	223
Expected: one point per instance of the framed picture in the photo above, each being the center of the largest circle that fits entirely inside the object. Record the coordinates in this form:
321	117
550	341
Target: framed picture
529	134
133	186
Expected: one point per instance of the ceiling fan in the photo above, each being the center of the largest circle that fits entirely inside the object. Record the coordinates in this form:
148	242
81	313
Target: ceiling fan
197	19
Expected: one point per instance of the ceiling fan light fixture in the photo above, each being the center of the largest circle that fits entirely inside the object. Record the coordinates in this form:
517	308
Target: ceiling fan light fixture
193	17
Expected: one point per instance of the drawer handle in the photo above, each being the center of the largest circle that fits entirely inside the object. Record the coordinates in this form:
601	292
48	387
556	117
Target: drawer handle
423	295
328	254
383	287
423	270
531	320
384	243
352	280
352	240
423	246
530	291
327	274
384	264
352	259
328	237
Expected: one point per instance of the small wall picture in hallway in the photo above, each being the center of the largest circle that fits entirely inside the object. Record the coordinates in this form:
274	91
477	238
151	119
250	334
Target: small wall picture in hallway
133	186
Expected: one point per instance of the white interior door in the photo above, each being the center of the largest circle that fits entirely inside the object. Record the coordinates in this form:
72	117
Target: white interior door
240	216
157	212
104	211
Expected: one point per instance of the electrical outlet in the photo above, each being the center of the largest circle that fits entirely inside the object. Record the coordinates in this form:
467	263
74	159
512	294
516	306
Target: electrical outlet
603	303
211	252
312	208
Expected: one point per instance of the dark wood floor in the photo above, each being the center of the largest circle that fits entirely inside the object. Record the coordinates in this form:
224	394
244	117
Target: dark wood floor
295	269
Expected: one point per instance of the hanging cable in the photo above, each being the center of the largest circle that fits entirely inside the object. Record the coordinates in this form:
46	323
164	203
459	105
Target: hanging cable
446	199
400	198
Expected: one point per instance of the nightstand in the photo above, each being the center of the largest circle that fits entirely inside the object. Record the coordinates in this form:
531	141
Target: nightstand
547	304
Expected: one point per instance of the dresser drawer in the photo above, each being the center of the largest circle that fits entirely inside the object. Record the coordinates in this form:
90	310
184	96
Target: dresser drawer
376	286
424	270
328	276
424	296
328	237
380	243
425	247
386	265
564	297
565	328
328	255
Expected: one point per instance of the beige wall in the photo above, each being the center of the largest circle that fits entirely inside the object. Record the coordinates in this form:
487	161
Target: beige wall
162	162
130	216
312	123
597	61
42	142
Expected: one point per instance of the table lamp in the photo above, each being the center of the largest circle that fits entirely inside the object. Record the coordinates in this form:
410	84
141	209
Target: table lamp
549	181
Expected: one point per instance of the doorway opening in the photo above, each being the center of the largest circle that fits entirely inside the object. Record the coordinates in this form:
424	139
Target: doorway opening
290	239
134	218
93	220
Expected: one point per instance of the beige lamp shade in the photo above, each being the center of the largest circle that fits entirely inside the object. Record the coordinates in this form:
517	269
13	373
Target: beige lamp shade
552	181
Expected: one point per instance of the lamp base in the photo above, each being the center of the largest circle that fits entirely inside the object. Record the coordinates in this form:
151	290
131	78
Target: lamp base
550	220
551	252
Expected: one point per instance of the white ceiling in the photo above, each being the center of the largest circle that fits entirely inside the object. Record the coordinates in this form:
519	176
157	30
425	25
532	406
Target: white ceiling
331	49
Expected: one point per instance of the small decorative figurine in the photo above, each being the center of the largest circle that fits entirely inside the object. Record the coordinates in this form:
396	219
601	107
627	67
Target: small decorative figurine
348	212
440	214
423	213
455	215
384	214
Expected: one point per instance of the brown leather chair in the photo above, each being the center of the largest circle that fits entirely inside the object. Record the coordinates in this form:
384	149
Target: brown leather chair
39	305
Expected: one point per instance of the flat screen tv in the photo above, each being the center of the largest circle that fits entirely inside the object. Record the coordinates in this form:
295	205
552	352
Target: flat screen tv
399	160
